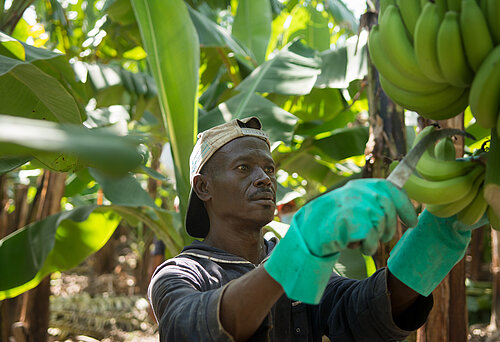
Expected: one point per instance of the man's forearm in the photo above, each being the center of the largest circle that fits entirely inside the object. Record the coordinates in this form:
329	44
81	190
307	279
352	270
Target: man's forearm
402	297
247	301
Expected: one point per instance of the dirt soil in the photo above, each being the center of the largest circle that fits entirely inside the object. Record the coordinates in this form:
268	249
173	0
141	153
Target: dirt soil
86	307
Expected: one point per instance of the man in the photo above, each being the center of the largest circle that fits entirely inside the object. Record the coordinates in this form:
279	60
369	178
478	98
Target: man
235	286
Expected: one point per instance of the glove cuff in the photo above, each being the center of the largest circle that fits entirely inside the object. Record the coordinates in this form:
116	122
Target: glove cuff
425	254
302	275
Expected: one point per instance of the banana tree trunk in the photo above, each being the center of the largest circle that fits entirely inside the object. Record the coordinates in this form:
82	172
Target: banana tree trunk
144	265
495	269
9	308
31	309
387	138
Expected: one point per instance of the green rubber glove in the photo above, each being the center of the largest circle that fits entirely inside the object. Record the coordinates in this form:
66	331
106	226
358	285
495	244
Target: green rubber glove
425	254
362	211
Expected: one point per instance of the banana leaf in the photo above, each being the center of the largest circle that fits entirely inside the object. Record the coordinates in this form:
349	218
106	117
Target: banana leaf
309	25
57	243
64	147
342	15
307	166
77	183
8	164
107	116
113	85
128	193
124	190
343	143
64	240
216	88
315	127
120	11
342	65
293	71
212	35
50	64
29	92
296	69
278	123
13	46
252	26
166	225
173	54
319	105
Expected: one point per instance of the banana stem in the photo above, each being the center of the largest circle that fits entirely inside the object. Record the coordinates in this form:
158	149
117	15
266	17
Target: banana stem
492	181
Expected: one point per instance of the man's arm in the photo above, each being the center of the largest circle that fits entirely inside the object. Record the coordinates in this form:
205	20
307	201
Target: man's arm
402	297
247	301
361	310
187	312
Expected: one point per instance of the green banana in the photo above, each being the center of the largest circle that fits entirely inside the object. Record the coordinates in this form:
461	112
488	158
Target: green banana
493	218
483	99
432	168
453	208
454	5
425	131
397	46
493	18
448	111
475	35
383	6
410	11
384	67
441	192
425	42
450	52
445	149
475	210
442	7
422	103
482	4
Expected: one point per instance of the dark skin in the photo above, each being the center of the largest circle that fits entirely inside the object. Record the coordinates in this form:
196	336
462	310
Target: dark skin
238	187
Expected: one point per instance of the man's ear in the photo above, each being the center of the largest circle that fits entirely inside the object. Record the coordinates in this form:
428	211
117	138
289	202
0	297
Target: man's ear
200	187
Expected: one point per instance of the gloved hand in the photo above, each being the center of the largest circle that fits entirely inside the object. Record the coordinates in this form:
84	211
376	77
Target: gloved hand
425	254
362	211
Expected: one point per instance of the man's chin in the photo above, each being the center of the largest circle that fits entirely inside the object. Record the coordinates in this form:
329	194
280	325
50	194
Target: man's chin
265	220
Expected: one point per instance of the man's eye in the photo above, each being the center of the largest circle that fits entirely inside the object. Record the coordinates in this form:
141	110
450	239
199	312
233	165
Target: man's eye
270	169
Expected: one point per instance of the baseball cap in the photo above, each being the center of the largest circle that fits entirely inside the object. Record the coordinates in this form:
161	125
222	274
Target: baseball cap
209	141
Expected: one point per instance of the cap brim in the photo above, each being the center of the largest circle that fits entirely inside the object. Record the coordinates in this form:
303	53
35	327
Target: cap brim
197	222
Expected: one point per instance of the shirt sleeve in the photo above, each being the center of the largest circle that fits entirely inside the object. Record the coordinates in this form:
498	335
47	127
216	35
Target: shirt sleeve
360	310
184	312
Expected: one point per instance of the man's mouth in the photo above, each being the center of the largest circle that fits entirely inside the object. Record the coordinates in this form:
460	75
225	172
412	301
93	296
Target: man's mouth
264	196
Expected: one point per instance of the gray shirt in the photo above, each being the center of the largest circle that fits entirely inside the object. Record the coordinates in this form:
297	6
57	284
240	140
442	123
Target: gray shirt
185	293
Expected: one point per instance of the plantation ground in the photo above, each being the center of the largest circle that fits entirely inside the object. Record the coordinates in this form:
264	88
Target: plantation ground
86	307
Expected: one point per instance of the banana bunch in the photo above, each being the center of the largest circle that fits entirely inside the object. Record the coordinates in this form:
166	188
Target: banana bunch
437	57
447	186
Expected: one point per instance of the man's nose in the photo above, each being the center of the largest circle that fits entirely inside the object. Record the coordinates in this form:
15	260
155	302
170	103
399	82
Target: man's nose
262	179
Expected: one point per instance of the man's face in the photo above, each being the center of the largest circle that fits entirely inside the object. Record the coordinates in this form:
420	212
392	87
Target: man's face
242	182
